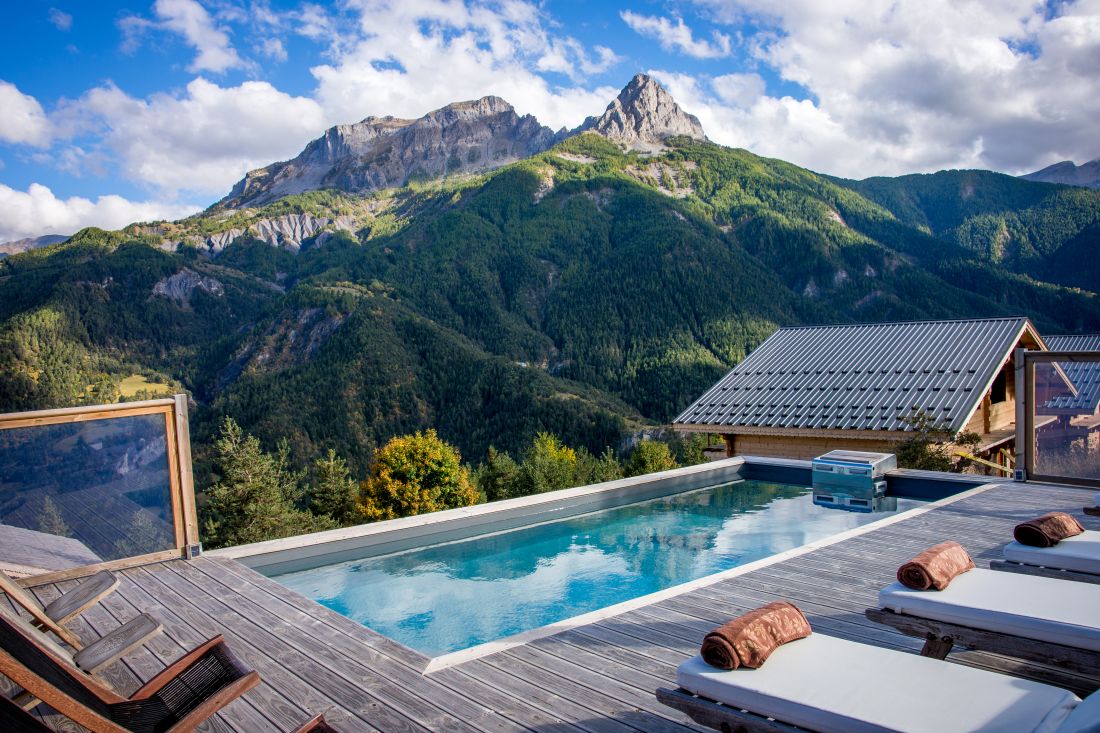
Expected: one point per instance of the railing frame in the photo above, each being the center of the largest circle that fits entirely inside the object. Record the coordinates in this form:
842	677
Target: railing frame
1026	457
180	479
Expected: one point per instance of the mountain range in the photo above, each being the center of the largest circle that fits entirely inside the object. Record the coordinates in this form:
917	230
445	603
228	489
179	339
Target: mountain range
476	272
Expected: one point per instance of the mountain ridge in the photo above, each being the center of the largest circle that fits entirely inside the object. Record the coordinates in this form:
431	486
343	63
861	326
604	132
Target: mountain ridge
461	138
589	290
1069	173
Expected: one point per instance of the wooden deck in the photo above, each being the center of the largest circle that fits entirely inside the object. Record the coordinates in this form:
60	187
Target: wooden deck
599	677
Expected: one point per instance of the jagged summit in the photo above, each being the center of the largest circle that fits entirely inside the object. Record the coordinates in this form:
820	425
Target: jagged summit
643	115
1086	175
464	137
381	152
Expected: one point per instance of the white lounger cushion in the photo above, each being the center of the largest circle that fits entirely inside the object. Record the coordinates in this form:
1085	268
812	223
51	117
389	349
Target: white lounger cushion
1046	609
823	683
1080	553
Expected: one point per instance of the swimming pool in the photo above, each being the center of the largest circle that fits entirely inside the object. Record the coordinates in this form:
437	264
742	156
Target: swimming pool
452	596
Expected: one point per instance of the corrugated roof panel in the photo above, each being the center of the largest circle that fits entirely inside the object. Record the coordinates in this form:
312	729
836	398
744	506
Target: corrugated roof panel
861	376
1084	375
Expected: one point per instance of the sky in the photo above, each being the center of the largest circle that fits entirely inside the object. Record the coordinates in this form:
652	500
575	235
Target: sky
116	111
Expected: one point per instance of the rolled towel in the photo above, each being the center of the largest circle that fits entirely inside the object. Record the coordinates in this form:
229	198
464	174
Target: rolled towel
1047	530
935	567
747	640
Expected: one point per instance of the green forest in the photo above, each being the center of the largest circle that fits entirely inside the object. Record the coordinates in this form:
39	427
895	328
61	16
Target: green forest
585	294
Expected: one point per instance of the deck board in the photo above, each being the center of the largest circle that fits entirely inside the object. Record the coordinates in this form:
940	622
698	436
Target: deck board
596	678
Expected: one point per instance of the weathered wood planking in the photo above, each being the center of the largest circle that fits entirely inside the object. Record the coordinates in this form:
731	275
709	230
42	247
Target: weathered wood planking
599	678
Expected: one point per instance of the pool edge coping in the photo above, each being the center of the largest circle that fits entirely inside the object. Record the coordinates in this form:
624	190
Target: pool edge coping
451	659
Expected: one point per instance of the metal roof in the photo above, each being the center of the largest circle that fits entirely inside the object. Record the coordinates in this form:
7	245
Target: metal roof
862	376
1084	375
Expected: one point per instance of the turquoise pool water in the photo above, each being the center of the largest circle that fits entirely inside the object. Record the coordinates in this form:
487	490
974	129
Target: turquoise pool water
448	597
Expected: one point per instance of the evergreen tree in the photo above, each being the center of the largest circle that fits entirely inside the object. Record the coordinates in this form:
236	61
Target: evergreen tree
593	470
50	520
649	456
498	477
416	474
335	493
255	496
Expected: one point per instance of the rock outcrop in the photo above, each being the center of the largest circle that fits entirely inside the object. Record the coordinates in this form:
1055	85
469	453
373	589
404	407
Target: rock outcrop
181	286
464	137
1086	175
289	231
643	116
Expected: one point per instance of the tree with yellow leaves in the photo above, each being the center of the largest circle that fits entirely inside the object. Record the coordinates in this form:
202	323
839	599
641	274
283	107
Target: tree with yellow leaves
416	474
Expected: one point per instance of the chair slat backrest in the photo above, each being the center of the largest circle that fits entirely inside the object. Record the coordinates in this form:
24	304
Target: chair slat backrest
21	596
26	650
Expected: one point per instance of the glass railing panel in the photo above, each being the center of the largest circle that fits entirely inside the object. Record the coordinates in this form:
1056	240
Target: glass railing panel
81	493
1066	419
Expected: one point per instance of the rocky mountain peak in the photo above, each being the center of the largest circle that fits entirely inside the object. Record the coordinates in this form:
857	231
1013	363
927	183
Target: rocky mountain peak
643	115
385	152
463	137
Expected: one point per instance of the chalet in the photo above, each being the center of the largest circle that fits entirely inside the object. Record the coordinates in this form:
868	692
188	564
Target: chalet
808	390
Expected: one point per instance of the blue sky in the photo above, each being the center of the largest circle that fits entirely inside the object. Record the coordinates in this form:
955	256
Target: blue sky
115	111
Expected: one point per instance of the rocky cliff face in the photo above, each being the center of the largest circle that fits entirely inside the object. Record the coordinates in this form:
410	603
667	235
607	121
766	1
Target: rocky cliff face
643	116
465	137
376	153
1086	175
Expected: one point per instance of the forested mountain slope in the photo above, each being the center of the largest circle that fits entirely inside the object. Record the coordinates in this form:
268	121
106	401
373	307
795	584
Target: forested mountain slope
585	290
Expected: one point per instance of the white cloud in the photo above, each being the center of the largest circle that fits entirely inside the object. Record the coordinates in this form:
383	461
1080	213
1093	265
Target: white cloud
60	19
190	20
739	90
38	211
22	119
916	85
274	49
417	55
200	141
677	36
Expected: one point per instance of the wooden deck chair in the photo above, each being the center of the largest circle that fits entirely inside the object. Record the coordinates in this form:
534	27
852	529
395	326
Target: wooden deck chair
181	696
101	652
1024	616
824	683
1073	558
64	608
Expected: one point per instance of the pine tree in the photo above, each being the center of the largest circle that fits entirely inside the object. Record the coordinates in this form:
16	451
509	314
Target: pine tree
255	496
50	520
498	477
335	493
593	470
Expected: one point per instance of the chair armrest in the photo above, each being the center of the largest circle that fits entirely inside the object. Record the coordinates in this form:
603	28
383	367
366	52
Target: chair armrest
170	672
216	702
118	643
90	592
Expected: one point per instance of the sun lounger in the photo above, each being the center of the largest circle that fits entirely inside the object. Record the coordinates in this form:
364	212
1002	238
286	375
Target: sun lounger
65	607
823	683
101	652
1074	558
183	695
1034	618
